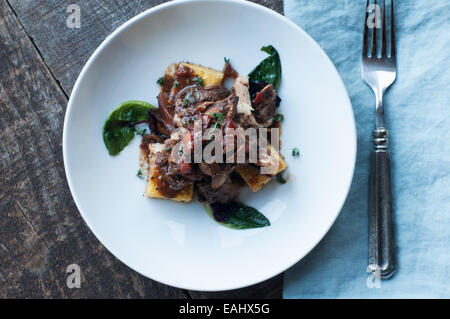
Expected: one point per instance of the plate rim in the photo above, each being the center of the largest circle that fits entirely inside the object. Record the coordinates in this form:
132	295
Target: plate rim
134	20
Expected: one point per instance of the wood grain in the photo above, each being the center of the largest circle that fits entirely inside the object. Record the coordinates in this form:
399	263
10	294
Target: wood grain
269	289
41	231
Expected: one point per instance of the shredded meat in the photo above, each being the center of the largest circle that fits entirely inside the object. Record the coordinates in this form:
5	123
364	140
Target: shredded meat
226	106
170	172
181	102
164	115
217	172
191	101
264	104
241	89
227	192
259	111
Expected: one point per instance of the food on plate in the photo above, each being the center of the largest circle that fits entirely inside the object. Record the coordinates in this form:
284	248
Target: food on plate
207	139
155	187
209	76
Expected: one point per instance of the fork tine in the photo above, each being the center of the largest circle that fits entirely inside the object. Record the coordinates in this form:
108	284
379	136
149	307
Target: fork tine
364	48
383	32
374	33
392	30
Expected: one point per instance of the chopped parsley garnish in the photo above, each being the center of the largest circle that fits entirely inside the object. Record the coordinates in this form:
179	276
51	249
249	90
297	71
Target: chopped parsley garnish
295	152
176	84
198	80
197	95
161	81
226	60
170	106
278	118
141	131
188	99
280	179
219	117
139	174
168	148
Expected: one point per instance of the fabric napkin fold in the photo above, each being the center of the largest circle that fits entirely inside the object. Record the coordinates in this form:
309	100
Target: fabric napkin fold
418	118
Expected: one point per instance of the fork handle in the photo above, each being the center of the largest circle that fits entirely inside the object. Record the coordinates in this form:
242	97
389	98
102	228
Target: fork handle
381	222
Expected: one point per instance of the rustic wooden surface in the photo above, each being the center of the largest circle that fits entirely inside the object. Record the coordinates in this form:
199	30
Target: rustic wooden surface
41	231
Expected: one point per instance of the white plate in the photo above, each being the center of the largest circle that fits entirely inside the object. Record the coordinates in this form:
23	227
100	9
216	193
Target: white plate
179	244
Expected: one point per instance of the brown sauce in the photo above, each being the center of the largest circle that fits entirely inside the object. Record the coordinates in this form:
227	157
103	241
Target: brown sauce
183	77
229	72
168	83
162	186
144	148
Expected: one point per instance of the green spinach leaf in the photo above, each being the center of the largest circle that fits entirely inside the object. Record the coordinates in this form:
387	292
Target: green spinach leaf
237	215
269	70
117	130
280	179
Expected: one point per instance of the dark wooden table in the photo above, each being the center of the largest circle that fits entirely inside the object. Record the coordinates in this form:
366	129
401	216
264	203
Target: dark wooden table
41	231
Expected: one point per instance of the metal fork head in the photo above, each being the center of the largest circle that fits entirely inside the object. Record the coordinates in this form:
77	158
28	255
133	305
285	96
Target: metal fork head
378	70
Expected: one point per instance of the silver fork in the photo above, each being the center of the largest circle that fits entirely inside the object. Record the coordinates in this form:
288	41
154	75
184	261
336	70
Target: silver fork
379	72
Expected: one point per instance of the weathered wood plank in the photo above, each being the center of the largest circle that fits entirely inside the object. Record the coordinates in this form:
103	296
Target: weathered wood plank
269	289
25	258
275	5
41	231
35	106
66	50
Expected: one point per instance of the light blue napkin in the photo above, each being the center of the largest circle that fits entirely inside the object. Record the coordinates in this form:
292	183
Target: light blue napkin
418	119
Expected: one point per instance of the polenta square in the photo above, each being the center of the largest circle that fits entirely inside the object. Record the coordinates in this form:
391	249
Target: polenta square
152	189
252	175
209	76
